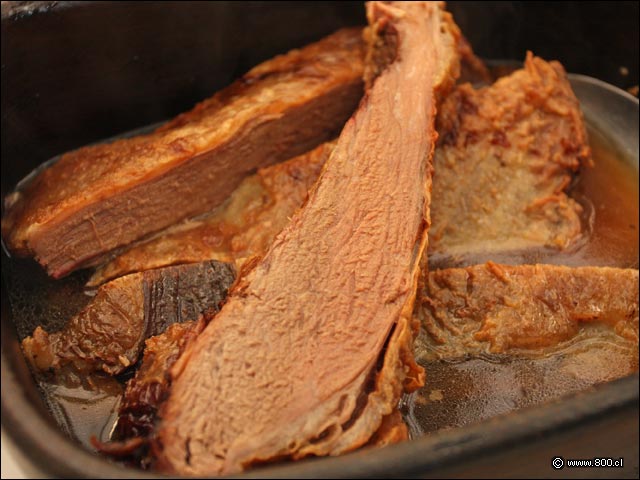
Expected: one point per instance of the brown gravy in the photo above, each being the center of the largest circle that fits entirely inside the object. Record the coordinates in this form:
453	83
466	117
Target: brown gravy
457	393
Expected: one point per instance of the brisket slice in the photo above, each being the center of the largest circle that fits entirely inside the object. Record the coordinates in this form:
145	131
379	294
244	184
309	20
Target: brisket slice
472	68
495	308
108	334
149	386
242	227
261	206
288	368
505	157
99	198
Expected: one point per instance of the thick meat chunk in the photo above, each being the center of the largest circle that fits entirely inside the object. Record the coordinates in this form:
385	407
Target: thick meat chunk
242	227
504	160
290	366
109	333
102	197
505	309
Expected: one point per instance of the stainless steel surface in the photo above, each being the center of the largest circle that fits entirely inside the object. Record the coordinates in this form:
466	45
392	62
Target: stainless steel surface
611	110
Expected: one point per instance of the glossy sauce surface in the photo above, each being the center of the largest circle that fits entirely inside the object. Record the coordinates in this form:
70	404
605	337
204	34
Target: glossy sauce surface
468	390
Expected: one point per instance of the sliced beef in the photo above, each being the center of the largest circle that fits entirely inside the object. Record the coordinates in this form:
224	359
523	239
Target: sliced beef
99	198
521	193
242	227
498	309
149	387
505	157
109	333
314	345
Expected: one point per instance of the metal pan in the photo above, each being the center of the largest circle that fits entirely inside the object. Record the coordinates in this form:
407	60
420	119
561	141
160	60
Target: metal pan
77	72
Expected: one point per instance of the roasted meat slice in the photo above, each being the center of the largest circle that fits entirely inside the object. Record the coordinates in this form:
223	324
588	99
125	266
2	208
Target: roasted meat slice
109	333
498	309
505	157
99	198
241	228
262	205
498	338
314	345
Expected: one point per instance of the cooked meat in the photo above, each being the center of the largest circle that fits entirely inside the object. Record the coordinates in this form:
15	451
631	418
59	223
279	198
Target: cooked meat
314	345
392	430
497	210
147	388
241	228
505	309
108	334
146	391
504	160
99	198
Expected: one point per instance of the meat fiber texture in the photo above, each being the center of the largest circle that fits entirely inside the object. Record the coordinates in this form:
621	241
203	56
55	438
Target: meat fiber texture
262	205
99	198
243	227
149	387
499	309
109	333
313	348
505	157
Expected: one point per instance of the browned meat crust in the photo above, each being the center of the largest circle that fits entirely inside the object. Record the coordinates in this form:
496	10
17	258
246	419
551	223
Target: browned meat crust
241	228
101	197
505	157
290	366
505	309
146	391
108	334
392	430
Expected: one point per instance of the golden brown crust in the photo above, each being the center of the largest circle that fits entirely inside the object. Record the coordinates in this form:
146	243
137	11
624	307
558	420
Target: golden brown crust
496	308
392	430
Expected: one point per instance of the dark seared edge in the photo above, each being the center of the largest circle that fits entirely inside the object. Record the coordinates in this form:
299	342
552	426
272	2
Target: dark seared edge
109	333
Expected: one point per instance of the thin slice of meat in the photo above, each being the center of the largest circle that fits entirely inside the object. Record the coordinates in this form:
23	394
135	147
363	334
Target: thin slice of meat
99	198
149	387
505	157
498	309
108	334
314	345
392	430
242	227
